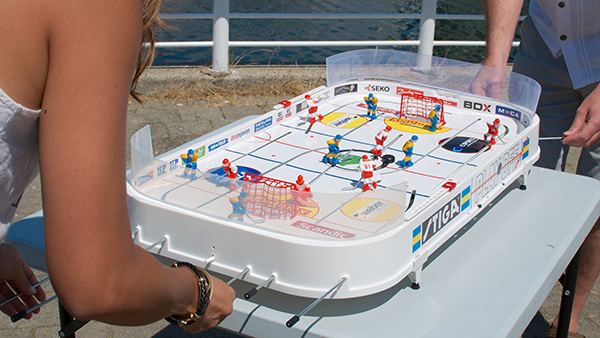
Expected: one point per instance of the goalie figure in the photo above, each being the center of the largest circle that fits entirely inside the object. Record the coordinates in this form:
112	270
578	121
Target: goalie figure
433	117
301	191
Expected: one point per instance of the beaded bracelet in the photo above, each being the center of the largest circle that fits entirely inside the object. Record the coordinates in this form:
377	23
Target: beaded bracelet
205	291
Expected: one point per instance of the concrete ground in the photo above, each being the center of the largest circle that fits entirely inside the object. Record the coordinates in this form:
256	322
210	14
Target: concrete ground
174	122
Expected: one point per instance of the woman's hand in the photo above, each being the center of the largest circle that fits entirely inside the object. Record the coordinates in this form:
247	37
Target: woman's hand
17	277
220	306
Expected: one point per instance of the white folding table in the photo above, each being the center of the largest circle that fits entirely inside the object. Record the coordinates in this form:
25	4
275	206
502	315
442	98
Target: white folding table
489	280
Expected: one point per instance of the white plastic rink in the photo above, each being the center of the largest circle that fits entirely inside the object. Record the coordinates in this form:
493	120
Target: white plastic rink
412	212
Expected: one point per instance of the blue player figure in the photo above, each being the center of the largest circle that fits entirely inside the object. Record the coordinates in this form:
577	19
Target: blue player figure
408	152
190	163
433	117
371	102
239	206
334	150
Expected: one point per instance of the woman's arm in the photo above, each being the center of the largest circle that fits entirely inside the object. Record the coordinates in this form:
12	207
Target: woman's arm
95	268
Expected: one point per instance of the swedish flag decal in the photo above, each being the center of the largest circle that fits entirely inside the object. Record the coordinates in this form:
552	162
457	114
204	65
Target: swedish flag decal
416	238
465	201
525	148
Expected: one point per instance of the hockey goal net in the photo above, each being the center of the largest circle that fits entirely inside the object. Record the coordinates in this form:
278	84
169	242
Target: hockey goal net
268	197
415	106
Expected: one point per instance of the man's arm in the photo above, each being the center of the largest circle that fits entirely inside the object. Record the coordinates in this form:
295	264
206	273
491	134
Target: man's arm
501	17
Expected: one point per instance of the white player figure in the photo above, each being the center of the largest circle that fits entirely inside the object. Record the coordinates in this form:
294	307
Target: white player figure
301	191
379	139
312	112
230	169
493	128
367	167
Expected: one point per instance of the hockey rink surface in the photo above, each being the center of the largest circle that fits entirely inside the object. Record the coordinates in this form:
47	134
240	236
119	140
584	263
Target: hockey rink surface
284	151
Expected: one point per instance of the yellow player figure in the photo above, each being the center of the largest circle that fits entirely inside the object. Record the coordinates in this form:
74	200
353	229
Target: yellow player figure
334	150
371	102
239	206
189	160
433	117
408	152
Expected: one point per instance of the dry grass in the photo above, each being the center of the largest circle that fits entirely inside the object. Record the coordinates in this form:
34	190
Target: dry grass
215	90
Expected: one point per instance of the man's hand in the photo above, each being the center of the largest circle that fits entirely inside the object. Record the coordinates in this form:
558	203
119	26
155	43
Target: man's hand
489	82
17	277
585	130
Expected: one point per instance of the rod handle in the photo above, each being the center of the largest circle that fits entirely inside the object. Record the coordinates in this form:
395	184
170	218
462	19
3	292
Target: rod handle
18	316
250	293
292	321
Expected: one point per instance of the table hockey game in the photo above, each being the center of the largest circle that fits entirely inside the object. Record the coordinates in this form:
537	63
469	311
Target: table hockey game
338	237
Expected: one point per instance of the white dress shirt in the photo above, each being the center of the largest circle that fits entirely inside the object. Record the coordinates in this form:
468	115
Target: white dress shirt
571	28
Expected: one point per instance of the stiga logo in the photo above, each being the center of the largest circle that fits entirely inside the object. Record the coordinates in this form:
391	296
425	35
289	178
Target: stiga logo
441	217
372	88
217	144
288	112
239	135
279	115
345	89
260	125
515	114
478	106
145	178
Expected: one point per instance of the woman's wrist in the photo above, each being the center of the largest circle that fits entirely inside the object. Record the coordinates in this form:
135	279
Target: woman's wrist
203	286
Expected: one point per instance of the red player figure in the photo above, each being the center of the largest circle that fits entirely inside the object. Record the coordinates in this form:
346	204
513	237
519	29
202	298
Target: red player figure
367	167
379	139
493	128
230	169
312	111
301	191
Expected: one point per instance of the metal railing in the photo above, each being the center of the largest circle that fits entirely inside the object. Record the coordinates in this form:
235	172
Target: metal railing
220	43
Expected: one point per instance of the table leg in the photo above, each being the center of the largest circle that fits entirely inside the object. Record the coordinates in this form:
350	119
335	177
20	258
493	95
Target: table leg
566	302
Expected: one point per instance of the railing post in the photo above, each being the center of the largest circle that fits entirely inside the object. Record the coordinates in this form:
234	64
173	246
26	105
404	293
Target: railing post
220	55
427	32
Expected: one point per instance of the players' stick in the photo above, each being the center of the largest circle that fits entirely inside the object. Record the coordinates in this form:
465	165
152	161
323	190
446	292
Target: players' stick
308	129
326	170
254	221
353	187
551	138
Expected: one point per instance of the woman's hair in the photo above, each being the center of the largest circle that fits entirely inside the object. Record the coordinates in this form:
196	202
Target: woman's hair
151	20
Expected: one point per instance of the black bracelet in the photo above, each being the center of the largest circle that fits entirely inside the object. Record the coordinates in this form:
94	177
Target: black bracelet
204	296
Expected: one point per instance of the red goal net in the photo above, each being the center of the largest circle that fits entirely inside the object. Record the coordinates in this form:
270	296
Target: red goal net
268	197
417	107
